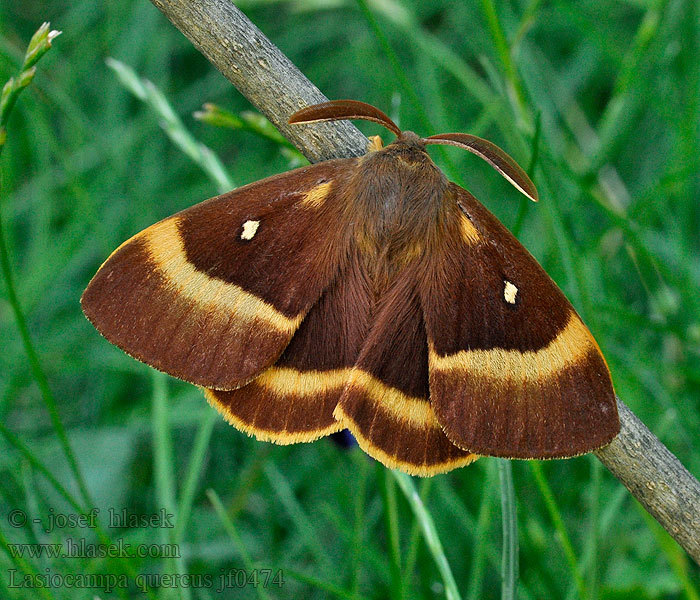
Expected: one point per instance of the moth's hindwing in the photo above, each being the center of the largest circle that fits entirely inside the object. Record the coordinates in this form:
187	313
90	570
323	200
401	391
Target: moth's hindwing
386	402
514	372
293	401
214	294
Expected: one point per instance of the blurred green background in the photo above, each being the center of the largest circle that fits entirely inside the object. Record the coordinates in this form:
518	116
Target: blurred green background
612	86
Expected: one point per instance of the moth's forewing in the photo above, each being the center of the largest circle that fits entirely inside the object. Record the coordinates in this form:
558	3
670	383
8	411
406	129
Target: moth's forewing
513	370
214	294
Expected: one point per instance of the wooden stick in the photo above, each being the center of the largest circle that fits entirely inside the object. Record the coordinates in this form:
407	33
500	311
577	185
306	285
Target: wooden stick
656	478
262	74
277	88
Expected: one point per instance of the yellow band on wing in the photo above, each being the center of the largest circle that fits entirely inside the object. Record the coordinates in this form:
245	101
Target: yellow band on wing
282	437
415	411
570	347
167	251
283	381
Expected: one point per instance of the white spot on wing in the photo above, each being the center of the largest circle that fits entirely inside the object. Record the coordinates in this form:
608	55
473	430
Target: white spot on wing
249	229
510	292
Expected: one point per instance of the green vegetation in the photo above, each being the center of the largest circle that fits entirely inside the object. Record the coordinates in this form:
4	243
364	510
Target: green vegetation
604	93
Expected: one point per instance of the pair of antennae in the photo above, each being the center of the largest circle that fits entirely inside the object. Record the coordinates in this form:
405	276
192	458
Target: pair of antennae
337	110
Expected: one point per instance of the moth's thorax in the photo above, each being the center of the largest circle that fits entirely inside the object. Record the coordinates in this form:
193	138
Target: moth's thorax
395	199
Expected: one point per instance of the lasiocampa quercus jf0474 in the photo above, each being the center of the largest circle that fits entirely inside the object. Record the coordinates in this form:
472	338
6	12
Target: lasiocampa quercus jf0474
364	293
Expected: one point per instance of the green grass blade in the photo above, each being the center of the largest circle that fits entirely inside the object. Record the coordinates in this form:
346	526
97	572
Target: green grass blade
594	529
509	517
172	125
232	532
403	79
430	534
304	525
324	586
558	523
194	471
481	539
359	513
248	477
391	526
394	63
514	86
24	567
414	536
676	556
39	466
162	443
39	45
125	565
165	470
534	156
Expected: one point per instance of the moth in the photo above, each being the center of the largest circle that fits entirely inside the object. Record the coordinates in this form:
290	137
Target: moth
364	293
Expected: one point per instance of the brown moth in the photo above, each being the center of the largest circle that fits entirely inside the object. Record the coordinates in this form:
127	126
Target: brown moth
364	293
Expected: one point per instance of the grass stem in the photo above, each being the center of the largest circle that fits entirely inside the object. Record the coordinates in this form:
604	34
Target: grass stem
509	517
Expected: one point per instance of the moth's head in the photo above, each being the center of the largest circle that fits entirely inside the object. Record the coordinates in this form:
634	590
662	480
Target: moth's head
410	148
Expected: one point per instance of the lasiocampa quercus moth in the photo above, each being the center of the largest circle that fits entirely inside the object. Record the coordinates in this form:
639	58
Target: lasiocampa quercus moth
364	293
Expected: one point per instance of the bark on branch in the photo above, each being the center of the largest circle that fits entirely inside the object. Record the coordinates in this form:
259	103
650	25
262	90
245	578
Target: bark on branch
277	88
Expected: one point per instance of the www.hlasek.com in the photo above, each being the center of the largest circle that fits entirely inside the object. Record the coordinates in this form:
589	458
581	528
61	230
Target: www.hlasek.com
81	548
